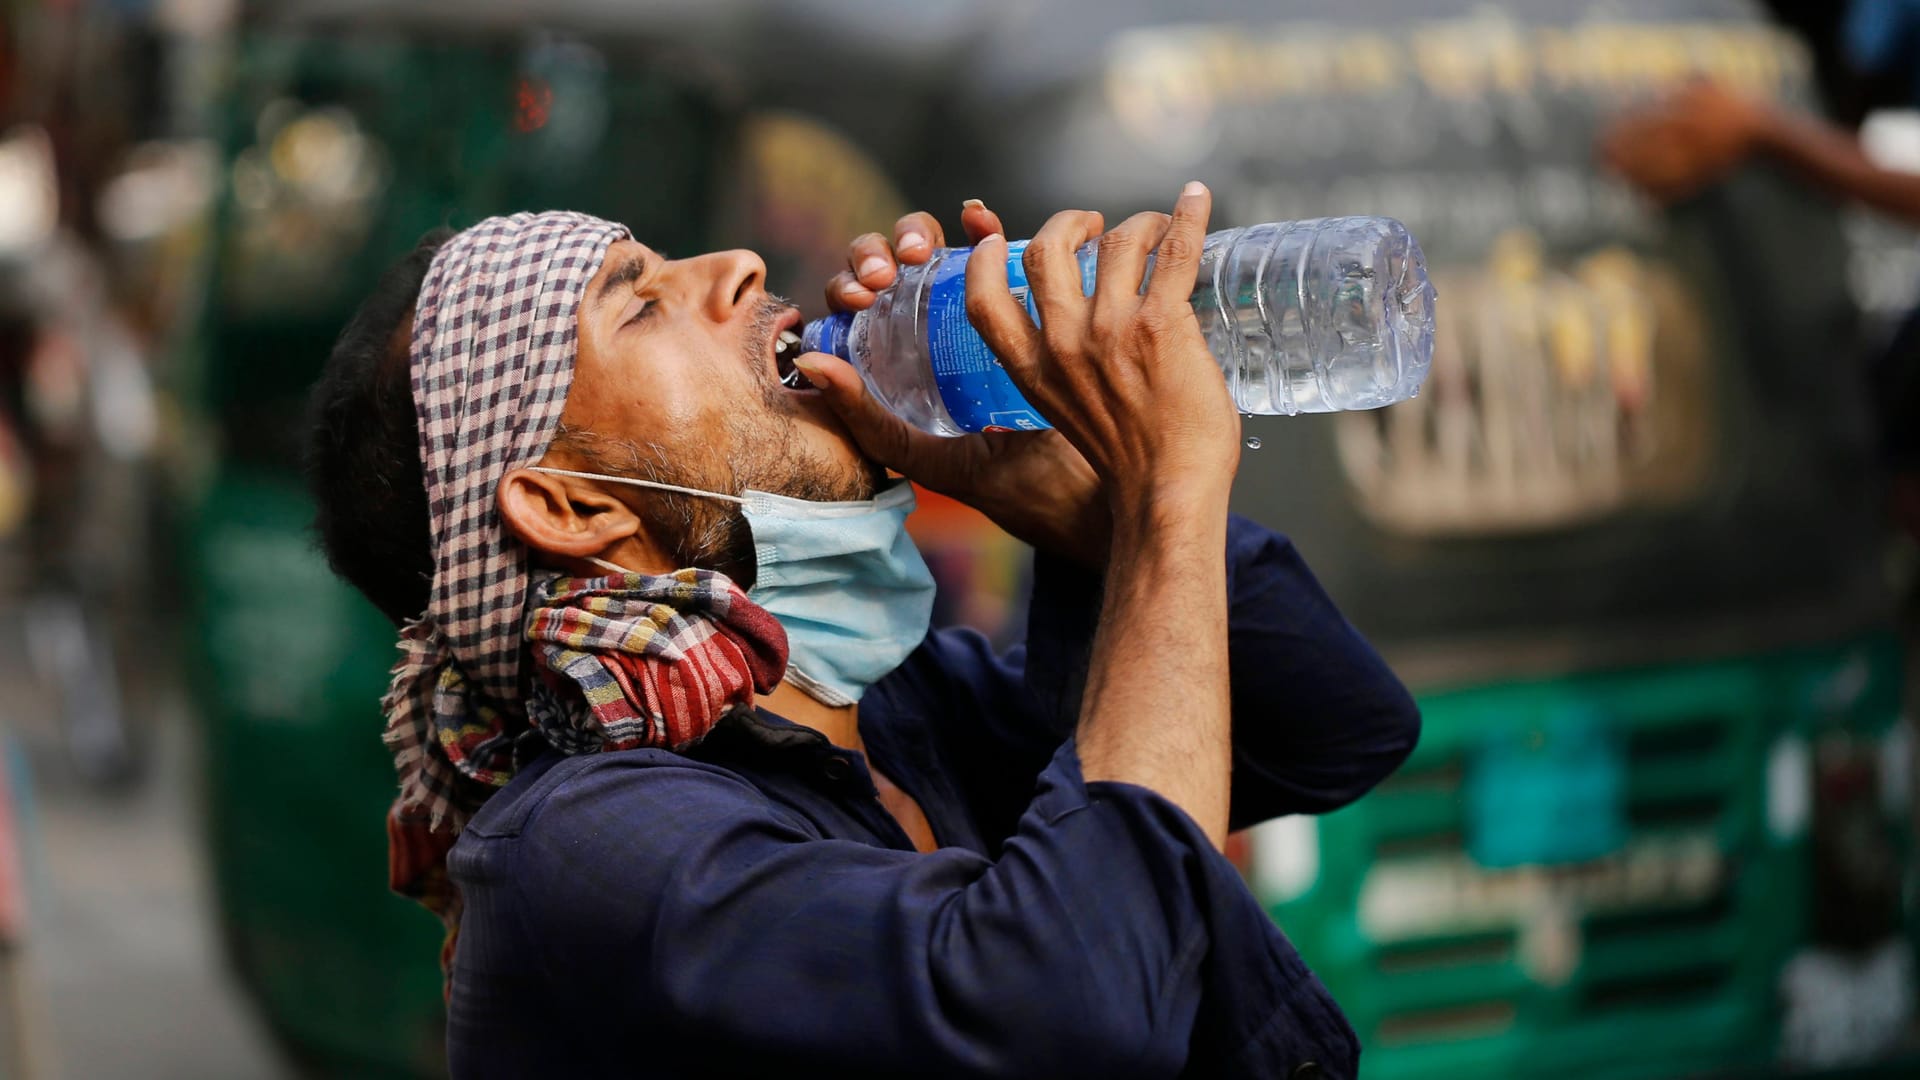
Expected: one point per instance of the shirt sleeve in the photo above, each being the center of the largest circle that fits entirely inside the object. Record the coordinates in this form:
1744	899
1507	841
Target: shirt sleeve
1318	717
671	893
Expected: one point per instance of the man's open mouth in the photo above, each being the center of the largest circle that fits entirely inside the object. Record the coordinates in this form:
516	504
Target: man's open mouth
786	346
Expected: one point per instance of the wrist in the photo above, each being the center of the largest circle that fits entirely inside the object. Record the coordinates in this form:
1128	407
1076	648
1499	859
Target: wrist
1158	516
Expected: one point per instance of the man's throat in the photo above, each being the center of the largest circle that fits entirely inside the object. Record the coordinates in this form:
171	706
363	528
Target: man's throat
840	724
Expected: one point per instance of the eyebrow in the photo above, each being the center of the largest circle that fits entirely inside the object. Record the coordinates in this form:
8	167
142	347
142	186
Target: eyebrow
626	273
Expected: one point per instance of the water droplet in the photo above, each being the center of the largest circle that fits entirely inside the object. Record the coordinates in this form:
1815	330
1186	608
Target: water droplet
1253	442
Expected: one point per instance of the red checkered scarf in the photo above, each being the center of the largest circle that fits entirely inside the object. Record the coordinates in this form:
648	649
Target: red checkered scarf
494	338
620	663
640	660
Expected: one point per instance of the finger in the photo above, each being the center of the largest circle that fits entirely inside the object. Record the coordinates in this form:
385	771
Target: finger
1053	268
1002	321
916	235
1177	263
978	221
882	436
871	260
845	293
1123	261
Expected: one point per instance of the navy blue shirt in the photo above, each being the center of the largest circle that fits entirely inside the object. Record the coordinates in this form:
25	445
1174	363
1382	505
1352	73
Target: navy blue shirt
749	908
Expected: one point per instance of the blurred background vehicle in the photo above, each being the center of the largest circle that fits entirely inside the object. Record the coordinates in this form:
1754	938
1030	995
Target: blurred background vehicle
1628	546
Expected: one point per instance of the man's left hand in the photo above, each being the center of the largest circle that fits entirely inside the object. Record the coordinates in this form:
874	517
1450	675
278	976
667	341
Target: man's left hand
1033	484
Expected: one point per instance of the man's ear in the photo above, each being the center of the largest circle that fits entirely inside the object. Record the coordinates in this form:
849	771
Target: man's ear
563	516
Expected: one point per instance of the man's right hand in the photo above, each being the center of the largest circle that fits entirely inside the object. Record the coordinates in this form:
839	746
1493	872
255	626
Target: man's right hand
1124	374
1126	378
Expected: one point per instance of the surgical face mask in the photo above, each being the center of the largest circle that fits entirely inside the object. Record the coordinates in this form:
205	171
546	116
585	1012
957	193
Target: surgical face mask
843	578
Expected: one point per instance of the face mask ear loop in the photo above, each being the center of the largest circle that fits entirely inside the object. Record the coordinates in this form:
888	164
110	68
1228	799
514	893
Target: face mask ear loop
615	567
636	483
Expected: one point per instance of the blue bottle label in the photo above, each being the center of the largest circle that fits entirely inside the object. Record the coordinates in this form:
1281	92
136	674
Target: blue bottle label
973	386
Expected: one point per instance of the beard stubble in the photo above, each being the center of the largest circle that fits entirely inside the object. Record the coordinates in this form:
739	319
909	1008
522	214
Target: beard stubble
767	454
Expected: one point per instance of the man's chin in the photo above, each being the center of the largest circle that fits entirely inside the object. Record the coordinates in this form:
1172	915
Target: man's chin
861	477
871	476
876	476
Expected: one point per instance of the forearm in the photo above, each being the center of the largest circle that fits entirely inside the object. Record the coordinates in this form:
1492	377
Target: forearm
1834	161
1156	711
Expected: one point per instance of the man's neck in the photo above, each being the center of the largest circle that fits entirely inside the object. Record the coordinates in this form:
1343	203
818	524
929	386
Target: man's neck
840	724
842	727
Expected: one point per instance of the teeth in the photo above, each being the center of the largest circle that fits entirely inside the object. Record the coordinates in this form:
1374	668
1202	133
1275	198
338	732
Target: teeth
785	348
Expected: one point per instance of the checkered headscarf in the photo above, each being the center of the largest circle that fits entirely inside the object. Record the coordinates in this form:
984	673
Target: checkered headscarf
494	338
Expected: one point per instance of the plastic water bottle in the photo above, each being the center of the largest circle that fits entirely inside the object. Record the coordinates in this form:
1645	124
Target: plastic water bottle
1304	317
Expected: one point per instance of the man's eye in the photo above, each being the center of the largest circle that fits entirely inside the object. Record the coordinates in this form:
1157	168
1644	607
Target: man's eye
646	310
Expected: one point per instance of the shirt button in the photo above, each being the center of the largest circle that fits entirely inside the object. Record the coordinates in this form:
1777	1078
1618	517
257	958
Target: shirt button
837	769
1308	1070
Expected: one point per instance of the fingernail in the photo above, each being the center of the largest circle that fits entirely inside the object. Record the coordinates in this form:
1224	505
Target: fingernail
910	242
1194	187
807	368
990	238
872	265
973	204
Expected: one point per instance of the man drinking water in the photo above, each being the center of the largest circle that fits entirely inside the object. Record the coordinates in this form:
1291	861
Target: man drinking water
694	787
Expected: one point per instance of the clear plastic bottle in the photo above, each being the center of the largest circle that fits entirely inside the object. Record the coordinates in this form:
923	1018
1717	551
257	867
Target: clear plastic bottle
1304	316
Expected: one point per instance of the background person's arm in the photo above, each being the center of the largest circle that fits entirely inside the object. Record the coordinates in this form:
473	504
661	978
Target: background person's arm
1835	161
1690	140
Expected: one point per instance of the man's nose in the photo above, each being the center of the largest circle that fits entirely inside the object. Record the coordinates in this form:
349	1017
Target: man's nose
734	278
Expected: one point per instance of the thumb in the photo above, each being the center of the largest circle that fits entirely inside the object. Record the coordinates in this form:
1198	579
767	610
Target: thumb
880	435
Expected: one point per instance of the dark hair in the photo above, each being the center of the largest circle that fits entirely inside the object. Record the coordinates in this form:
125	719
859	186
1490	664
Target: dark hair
363	447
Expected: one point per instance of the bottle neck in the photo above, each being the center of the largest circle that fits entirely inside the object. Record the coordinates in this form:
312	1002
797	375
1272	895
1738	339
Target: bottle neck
831	335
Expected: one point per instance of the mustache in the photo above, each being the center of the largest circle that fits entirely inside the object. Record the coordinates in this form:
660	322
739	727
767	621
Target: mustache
766	320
